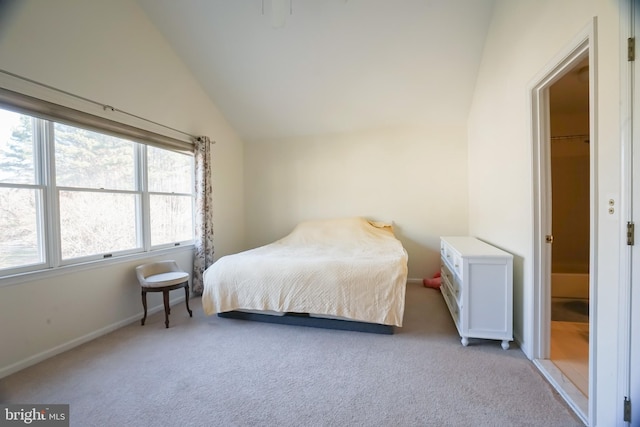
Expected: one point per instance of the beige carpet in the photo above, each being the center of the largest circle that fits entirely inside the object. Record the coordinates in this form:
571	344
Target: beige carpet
208	371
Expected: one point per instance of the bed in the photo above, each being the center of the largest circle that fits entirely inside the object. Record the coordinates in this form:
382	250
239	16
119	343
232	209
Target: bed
347	273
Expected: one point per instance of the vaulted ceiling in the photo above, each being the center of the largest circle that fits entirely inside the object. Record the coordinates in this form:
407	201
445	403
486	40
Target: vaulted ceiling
335	66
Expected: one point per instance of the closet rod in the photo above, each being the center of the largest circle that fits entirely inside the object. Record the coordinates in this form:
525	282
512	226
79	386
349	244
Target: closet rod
570	137
105	107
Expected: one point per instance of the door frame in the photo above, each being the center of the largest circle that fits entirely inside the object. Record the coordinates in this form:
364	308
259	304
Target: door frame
583	45
629	298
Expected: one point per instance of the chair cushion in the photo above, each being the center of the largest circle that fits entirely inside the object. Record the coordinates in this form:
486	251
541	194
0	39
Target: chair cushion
166	279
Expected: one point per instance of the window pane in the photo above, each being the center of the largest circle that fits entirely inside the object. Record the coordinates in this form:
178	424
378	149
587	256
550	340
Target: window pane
16	148
171	219
96	223
93	160
21	242
169	172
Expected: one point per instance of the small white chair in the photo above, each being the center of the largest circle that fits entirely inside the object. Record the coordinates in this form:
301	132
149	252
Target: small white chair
162	276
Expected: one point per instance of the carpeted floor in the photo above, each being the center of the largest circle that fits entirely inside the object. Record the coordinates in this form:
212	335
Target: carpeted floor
208	371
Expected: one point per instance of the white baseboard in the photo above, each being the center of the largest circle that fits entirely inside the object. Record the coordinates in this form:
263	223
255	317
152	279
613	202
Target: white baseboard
524	348
37	358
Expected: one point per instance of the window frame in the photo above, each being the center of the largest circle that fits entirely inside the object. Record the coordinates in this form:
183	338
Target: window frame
48	206
92	257
41	230
147	203
39	185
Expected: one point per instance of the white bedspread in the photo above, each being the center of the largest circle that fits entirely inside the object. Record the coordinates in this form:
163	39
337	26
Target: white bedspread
350	268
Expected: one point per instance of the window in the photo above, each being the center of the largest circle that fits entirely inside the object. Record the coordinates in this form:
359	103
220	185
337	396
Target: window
170	182
95	177
21	194
70	194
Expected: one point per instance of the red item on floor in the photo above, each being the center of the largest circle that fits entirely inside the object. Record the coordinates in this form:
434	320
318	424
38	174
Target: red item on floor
433	282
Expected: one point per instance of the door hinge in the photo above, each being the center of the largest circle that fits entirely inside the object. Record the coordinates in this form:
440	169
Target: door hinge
627	410
631	49
631	233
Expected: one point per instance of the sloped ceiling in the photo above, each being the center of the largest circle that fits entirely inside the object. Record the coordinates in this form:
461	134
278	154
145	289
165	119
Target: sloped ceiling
335	66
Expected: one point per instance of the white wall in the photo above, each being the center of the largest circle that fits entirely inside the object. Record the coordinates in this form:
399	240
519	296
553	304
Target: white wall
106	51
525	36
415	177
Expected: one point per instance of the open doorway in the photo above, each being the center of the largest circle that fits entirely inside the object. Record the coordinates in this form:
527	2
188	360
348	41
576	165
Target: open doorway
573	136
569	149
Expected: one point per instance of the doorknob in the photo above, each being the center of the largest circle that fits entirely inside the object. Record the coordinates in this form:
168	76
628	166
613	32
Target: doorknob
549	238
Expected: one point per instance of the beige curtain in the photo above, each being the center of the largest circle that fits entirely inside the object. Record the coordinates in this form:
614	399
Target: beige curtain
204	213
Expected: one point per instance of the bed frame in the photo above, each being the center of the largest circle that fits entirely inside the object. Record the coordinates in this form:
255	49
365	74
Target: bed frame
302	319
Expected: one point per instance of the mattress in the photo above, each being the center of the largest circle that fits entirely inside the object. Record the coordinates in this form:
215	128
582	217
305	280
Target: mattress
350	268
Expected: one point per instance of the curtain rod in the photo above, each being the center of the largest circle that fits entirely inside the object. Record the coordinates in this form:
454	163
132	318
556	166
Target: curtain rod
105	107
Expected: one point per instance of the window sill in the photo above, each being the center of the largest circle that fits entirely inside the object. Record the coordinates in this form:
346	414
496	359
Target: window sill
30	276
